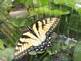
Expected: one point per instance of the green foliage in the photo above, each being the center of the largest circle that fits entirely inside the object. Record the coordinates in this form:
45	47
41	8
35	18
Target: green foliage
74	4
25	2
1	44
75	20
47	11
40	2
17	22
61	57
70	3
33	2
47	58
5	5
56	48
77	52
69	12
6	54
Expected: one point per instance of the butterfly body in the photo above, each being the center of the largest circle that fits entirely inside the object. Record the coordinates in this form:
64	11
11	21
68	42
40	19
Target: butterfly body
38	39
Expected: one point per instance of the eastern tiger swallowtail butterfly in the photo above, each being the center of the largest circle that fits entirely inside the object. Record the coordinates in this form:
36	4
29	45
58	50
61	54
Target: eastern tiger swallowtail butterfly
37	39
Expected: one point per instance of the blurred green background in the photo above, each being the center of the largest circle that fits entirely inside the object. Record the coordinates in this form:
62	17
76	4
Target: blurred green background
16	15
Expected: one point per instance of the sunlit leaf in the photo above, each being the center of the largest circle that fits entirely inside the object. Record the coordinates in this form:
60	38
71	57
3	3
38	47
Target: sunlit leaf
40	2
47	11
70	3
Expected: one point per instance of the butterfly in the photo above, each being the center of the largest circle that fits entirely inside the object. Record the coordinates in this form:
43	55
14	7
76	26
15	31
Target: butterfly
37	38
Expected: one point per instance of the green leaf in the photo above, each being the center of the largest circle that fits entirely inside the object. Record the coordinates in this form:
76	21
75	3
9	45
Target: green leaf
18	22
58	1
61	57
70	3
47	11
77	52
34	2
6	54
40	2
47	58
75	23
78	8
1	44
54	49
6	4
25	2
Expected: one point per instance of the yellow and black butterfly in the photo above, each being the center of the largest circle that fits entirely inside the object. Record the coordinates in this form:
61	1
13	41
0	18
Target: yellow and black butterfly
37	38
